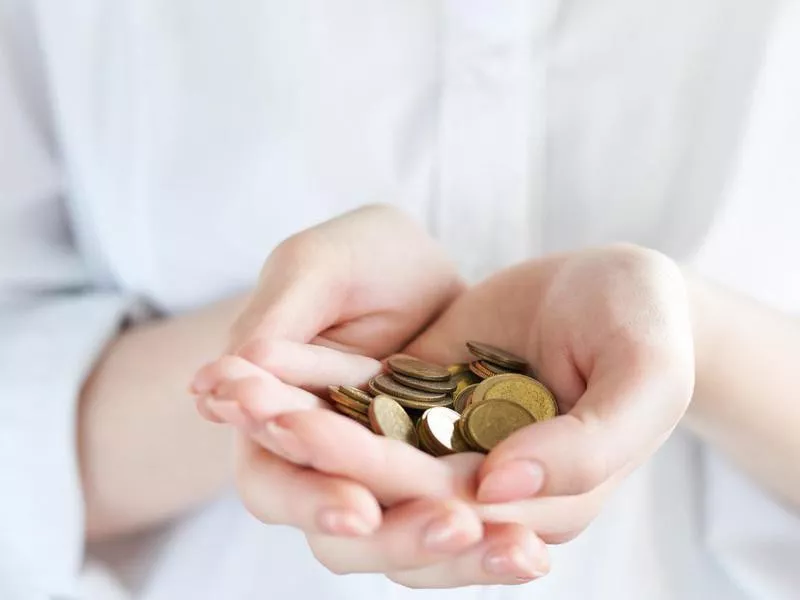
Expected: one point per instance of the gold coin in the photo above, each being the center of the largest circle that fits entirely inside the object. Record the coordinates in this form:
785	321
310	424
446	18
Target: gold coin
457	442
461	426
524	390
388	418
356	394
419	369
463	380
438	387
385	384
415	406
353	414
438	424
497	356
340	398
462	400
494	369
458	368
480	370
424	445
492	421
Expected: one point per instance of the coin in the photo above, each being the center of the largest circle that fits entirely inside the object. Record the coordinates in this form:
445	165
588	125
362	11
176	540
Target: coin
497	356
388	418
493	368
464	379
524	390
419	369
339	397
356	394
413	403
438	424
461	427
462	400
416	407
385	384
437	387
480	370
458	368
353	414
491	421
457	441
424	444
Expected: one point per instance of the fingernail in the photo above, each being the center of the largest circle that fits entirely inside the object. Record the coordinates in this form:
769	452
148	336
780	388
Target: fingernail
230	412
514	480
338	521
515	560
448	533
285	443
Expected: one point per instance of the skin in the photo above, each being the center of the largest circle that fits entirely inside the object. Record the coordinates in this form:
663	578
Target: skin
287	346
137	392
612	331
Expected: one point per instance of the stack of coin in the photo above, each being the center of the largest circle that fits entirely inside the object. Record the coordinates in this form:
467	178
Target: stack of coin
414	383
438	434
492	360
351	402
491	398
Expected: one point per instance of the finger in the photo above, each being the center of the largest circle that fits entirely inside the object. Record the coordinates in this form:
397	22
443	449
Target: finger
413	535
235	391
210	375
309	366
287	304
626	410
265	396
278	492
201	404
509	554
335	273
555	519
334	444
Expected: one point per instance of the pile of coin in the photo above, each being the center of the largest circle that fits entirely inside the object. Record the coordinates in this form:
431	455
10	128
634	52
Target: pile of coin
444	410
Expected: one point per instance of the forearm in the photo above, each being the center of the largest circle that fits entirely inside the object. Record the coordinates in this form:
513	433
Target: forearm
145	453
746	399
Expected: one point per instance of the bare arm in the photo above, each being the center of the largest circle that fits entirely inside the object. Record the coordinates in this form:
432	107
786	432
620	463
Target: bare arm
145	453
746	400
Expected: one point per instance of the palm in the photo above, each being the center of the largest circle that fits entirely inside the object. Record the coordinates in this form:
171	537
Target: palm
609	332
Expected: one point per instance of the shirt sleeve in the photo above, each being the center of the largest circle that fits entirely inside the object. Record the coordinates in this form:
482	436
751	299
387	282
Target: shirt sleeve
53	325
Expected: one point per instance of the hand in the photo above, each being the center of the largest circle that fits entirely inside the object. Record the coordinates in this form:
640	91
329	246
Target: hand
609	332
365	283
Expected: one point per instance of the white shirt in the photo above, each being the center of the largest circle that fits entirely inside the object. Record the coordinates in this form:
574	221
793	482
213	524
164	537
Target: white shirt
159	150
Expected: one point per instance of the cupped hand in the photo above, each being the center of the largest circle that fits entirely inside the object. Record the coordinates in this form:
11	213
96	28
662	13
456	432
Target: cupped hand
358	288
609	332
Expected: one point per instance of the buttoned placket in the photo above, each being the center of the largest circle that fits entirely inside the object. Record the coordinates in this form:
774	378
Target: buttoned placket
492	130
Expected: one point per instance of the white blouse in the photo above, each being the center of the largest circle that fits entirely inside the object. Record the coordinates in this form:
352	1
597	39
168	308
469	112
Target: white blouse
156	151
